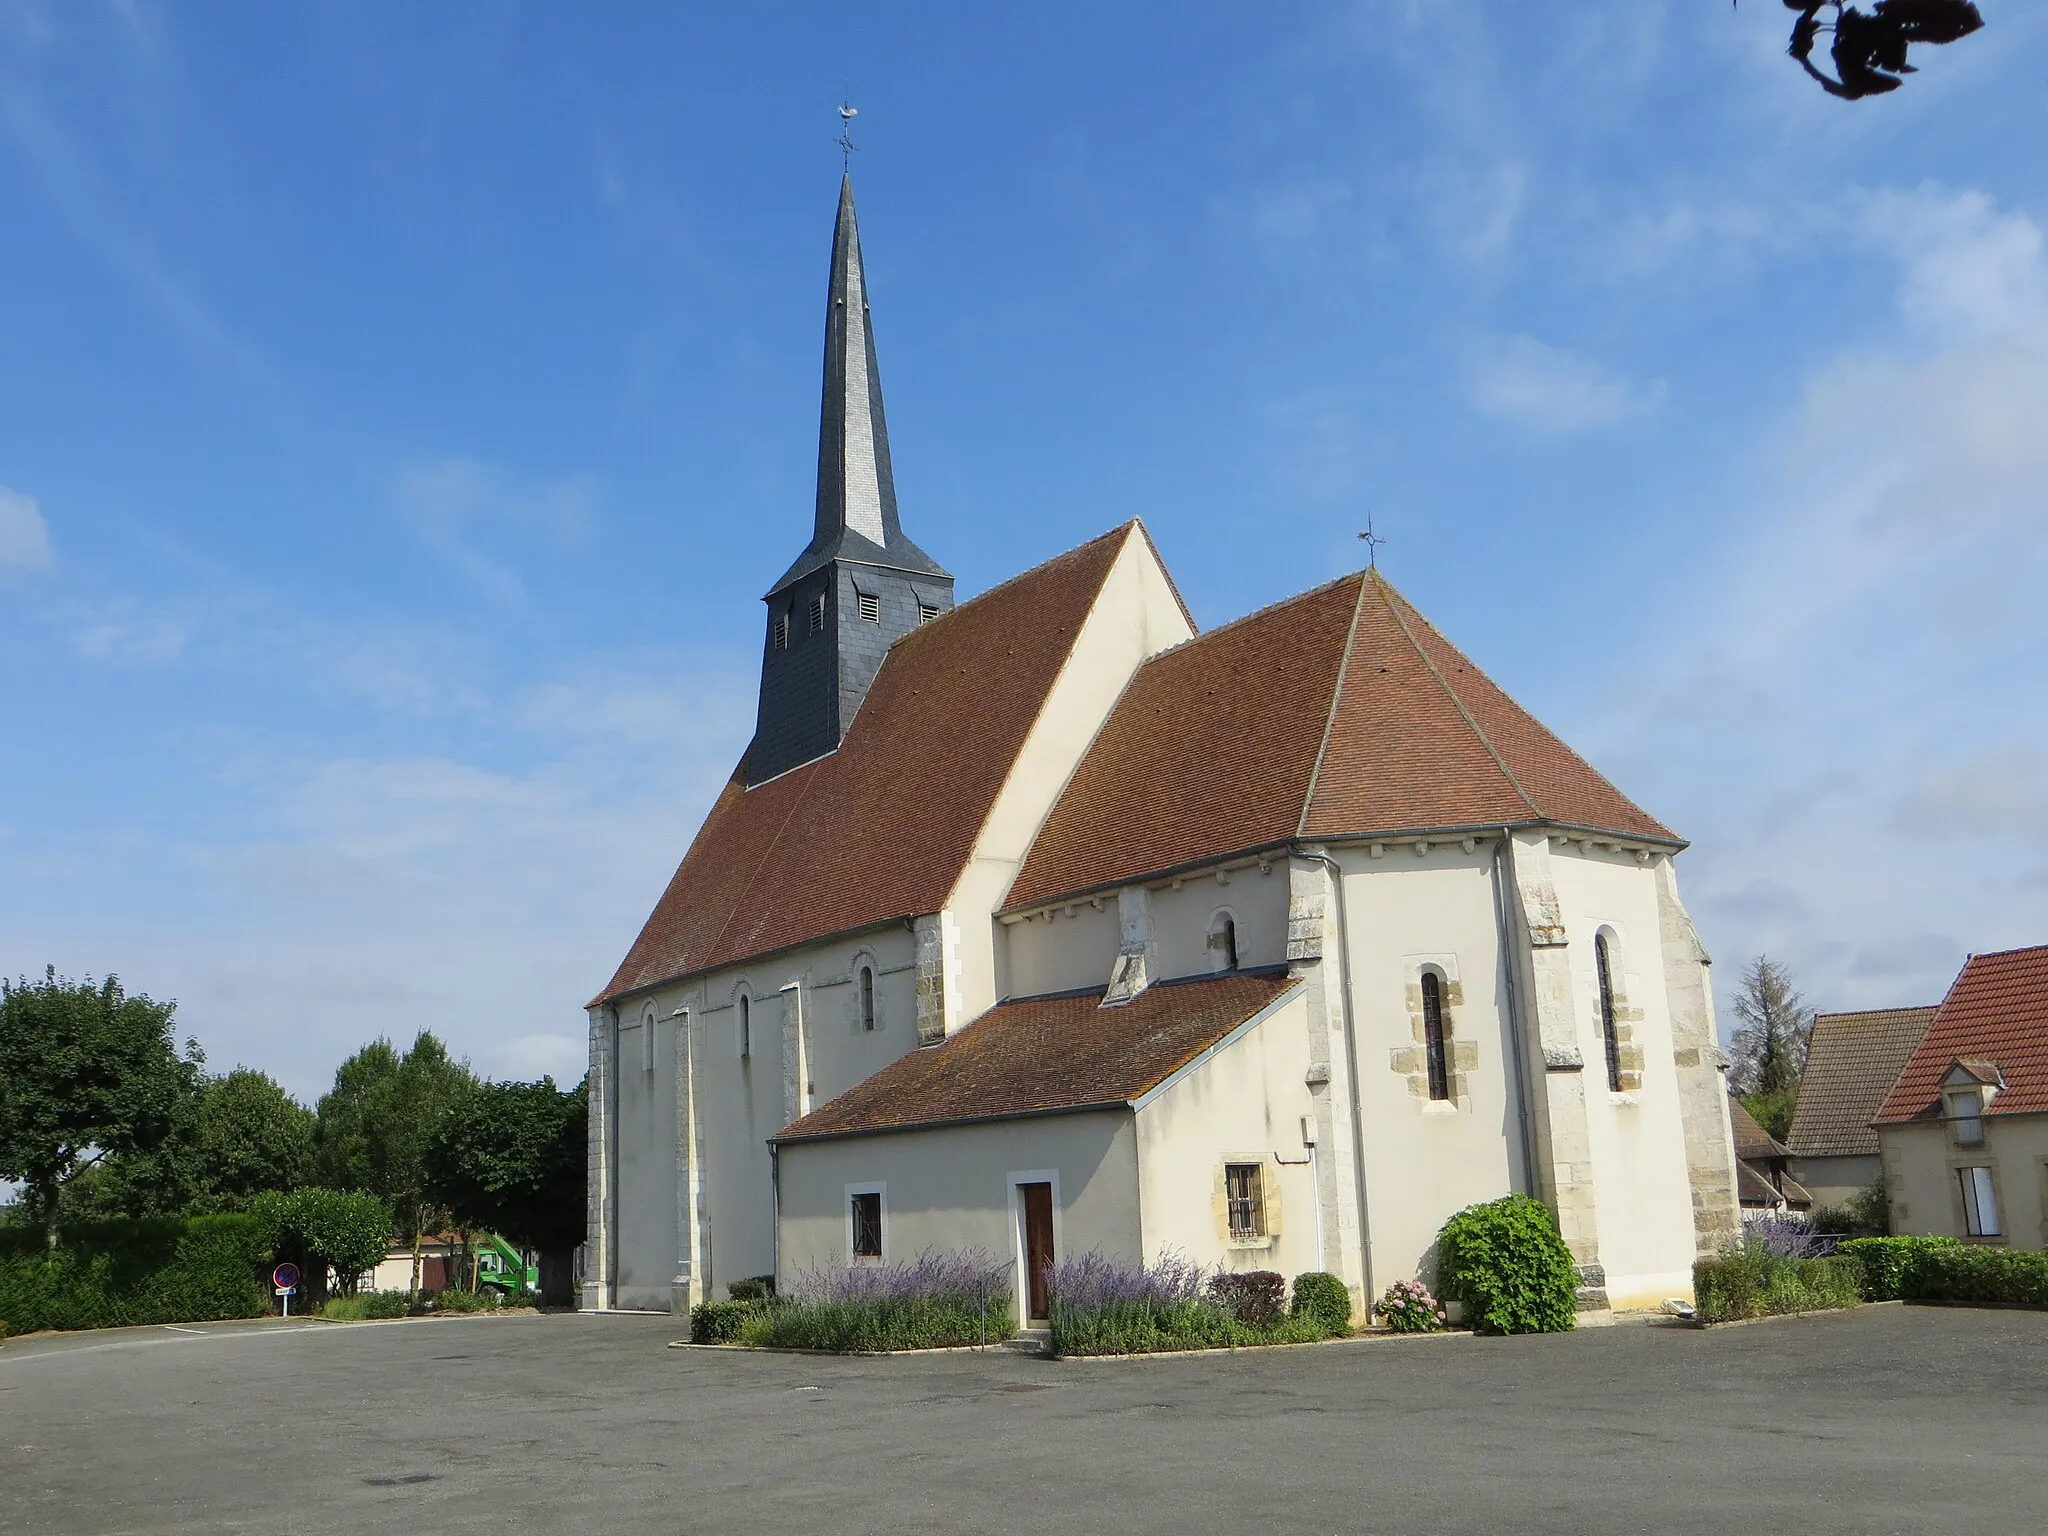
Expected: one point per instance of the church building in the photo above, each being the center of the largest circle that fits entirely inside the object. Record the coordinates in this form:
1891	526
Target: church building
1046	923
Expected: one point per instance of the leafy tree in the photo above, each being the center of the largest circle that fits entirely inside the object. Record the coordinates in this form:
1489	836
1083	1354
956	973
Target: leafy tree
230	1138
512	1158
86	1073
1869	49
1773	1024
376	1125
322	1228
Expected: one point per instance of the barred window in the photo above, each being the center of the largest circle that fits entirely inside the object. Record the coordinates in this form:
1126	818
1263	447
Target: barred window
870	608
1433	1035
1608	1030
1245	1197
818	612
867	1225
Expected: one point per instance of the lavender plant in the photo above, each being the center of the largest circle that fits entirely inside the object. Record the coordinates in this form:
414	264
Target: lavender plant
1103	1305
937	1300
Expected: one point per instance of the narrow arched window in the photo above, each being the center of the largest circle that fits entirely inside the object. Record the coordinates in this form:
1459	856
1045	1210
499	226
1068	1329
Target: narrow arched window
1229	944
1609	1033
746	1027
867	997
1433	1035
1222	942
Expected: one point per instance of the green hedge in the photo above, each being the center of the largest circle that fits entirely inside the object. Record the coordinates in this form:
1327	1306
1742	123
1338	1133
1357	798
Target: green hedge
1891	1264
1968	1273
120	1273
367	1306
1753	1282
718	1322
1505	1264
1321	1299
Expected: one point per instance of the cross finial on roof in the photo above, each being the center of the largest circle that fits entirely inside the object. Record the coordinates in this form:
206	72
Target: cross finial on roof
1373	542
845	140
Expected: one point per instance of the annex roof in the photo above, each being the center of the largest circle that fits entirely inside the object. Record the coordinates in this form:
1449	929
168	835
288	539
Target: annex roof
880	829
1852	1061
1048	1055
1338	713
1995	1014
1752	1142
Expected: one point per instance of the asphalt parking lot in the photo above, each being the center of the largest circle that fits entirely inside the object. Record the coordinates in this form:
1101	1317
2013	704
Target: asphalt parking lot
1886	1419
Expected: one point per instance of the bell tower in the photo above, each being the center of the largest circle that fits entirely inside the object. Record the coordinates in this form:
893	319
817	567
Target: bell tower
859	584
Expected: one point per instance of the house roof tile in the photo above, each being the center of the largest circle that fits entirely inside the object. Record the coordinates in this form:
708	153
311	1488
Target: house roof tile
1752	1141
1996	1012
1852	1060
1338	713
880	829
1048	1055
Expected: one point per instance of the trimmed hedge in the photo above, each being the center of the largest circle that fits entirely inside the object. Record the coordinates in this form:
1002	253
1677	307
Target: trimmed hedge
367	1306
719	1322
1968	1273
116	1274
1506	1265
1891	1264
1320	1298
1752	1281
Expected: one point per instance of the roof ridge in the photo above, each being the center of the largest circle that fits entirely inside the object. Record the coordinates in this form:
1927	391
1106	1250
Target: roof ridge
1171	585
2000	954
1246	618
1871	1013
1315	774
1394	604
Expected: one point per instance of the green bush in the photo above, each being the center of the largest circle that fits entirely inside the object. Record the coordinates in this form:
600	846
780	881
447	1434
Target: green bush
1961	1272
367	1306
754	1288
1889	1265
1320	1298
1505	1264
1867	1213
484	1300
1751	1281
318	1229
120	1273
719	1322
1256	1297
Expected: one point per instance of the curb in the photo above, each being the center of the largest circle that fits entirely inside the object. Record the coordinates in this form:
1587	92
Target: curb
1778	1317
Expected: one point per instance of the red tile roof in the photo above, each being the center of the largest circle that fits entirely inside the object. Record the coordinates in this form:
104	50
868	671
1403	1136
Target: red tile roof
1997	1012
1852	1061
1048	1055
880	829
1338	713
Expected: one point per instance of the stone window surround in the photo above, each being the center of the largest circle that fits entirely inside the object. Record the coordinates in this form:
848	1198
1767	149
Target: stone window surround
1225	942
1461	1054
1269	1201
1627	1018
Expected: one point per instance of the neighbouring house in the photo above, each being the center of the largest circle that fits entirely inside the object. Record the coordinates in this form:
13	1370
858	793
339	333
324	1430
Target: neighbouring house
1853	1060
1964	1133
441	1265
1761	1180
1044	923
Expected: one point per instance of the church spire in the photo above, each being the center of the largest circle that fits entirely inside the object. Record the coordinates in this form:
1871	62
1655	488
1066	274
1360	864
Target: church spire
859	584
856	517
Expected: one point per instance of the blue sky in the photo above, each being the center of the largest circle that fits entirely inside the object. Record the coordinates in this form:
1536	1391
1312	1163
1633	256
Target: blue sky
402	410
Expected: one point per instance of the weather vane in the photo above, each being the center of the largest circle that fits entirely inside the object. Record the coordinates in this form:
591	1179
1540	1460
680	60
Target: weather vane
845	140
1373	542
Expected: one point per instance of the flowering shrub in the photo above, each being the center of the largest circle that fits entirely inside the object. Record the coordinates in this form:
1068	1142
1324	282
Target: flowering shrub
1108	1306
935	1301
1784	1235
1409	1308
1257	1297
1505	1264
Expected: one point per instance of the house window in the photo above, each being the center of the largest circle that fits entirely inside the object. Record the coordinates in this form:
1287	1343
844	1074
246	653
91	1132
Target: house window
1245	1198
926	612
866	1215
1966	1115
1609	1031
746	1009
818	612
778	630
1433	1035
867	997
1980	1203
870	608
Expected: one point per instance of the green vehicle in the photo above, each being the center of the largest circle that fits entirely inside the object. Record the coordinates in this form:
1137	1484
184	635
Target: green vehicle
503	1268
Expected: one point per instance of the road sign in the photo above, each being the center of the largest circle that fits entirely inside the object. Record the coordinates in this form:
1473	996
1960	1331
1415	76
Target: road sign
285	1277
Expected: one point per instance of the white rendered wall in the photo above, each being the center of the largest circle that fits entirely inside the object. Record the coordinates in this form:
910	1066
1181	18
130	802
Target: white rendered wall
1059	953
1243	1105
645	1163
950	1189
1644	1191
1135	616
1426	1160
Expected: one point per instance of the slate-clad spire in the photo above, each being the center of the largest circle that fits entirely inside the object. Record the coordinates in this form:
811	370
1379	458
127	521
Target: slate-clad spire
860	583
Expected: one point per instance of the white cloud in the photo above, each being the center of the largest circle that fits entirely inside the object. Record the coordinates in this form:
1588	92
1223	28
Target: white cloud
466	510
1550	392
24	535
122	633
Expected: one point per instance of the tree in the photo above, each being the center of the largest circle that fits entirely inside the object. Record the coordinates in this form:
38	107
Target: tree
512	1159
1773	1024
1869	50
230	1138
374	1129
86	1073
319	1229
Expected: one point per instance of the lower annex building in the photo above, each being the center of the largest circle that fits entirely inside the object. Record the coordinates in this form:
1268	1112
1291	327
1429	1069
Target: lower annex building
1044	924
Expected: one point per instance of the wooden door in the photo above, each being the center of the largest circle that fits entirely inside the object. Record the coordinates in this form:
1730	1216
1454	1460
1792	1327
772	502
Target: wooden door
1038	1255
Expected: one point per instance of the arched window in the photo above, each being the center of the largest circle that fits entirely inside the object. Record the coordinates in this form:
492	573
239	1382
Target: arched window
1433	1035
1610	1034
1222	942
746	1026
867	997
